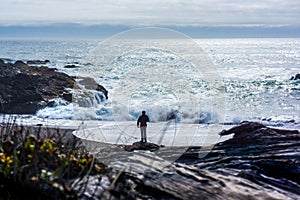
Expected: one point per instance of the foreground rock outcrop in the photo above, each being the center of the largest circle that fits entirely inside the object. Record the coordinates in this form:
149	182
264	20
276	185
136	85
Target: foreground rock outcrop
257	163
25	89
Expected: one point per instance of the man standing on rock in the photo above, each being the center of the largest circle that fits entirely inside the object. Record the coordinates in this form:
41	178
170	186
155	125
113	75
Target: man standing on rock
142	124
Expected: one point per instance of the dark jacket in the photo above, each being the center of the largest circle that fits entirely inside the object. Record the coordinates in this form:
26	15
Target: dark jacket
143	119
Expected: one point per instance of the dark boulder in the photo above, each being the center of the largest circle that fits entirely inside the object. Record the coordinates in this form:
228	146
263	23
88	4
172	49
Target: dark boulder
17	95
91	84
25	89
296	77
37	62
71	66
142	146
68	97
19	63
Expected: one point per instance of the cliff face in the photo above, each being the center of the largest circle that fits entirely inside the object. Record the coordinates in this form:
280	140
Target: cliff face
25	89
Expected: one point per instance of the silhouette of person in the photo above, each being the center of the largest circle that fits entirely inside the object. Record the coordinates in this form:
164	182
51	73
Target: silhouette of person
142	124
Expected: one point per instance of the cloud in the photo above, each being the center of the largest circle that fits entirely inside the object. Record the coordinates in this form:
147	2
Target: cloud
153	13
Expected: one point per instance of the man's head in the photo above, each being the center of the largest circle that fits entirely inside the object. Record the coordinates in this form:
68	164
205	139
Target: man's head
143	112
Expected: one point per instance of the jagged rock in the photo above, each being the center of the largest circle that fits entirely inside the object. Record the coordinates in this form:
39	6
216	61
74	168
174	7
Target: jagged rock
19	63
17	95
71	66
37	62
142	146
296	77
91	186
243	130
91	84
25	89
258	162
68	97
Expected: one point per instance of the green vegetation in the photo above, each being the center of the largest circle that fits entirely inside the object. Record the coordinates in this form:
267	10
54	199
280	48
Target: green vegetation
35	165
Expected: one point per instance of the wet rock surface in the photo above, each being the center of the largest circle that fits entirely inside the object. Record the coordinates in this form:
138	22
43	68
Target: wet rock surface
296	77
71	66
142	146
258	162
37	62
91	84
25	89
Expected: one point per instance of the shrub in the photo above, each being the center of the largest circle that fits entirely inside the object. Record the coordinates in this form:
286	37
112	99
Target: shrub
41	163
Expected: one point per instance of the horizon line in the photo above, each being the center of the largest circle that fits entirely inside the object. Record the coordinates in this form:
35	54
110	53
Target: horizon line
77	31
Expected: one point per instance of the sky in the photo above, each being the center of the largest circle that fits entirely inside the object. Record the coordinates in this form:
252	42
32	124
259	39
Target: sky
272	14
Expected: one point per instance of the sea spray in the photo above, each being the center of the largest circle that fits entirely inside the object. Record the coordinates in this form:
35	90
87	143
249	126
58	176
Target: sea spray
255	72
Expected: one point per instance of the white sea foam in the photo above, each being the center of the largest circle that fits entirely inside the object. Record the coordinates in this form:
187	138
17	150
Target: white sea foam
255	75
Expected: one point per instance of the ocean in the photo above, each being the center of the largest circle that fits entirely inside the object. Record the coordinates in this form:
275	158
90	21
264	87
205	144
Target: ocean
246	79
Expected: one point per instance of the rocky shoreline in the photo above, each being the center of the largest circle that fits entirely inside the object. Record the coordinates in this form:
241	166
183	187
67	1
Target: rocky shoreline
25	89
259	162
